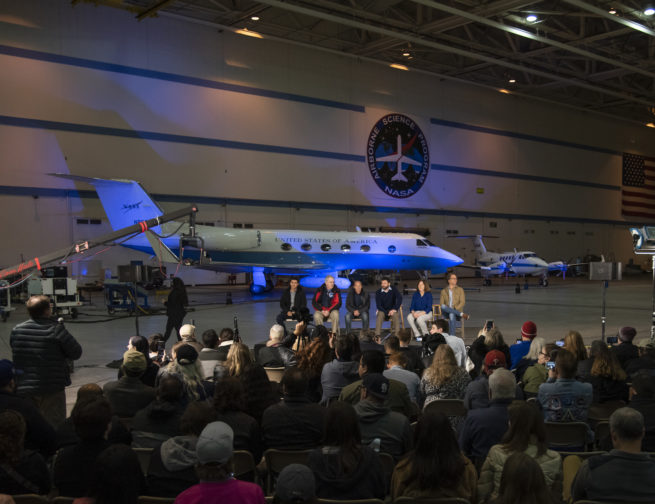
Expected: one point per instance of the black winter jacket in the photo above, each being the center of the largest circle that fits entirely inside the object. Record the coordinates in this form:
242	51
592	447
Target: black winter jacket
299	301
40	349
350	301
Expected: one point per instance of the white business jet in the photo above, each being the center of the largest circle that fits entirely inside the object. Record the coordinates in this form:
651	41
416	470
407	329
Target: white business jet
263	252
398	158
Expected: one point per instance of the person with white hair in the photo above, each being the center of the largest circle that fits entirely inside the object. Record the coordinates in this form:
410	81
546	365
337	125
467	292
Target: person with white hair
327	301
275	354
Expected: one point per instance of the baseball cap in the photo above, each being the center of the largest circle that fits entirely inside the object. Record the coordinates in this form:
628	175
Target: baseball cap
529	329
495	359
186	354
296	483
133	360
187	331
215	443
7	371
376	384
627	333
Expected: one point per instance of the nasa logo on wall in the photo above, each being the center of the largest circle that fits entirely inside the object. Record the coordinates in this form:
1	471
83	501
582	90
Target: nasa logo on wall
397	155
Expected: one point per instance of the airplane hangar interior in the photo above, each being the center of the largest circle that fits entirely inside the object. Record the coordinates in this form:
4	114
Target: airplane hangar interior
238	143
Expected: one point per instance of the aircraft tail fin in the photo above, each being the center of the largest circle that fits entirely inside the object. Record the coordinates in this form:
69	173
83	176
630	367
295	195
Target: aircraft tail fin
478	245
125	201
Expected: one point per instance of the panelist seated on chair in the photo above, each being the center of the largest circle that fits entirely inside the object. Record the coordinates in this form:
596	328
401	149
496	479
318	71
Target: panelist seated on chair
292	302
452	301
388	300
420	310
326	302
358	303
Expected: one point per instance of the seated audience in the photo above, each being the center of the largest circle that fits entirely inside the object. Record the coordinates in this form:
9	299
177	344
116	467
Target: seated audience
625	474
172	464
607	377
368	340
187	369
413	354
311	360
645	361
275	354
485	343
624	350
156	348
485	427
225	339
344	468
574	343
66	435
217	485
295	485
435	468
526	434
444	380
477	392
455	342
75	464
258	392
358	304
295	423
230	407
529	359
21	471
522	347
209	356
160	420
642	399
396	370
117	478
188	336
129	394
39	434
537	374
377	421
429	347
584	367
341	371
562	398
420	310
523	482
398	399
140	344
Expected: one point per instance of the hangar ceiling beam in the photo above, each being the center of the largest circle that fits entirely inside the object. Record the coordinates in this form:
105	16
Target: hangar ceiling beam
617	19
454	50
151	11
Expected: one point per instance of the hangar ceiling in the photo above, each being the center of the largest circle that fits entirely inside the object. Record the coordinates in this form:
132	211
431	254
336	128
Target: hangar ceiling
591	56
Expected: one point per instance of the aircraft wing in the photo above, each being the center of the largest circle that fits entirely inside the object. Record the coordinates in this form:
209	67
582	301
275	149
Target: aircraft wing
233	267
393	158
409	161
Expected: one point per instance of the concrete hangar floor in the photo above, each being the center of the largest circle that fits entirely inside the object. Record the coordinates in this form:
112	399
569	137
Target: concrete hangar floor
563	305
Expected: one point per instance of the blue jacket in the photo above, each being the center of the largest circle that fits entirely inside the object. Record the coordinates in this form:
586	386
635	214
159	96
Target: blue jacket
518	351
565	400
421	303
386	301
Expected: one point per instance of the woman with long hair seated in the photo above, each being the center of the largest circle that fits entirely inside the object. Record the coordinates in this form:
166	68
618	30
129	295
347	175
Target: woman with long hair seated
311	360
608	380
526	434
574	343
523	482
343	468
530	358
186	367
436	467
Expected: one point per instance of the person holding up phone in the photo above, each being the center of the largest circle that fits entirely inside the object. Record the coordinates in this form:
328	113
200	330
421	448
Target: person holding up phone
522	346
537	374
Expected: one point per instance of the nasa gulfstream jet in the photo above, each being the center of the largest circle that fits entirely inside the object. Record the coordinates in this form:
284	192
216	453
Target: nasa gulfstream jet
521	263
264	252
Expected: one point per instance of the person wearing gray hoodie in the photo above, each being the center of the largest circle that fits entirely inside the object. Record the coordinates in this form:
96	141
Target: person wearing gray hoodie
341	371
172	464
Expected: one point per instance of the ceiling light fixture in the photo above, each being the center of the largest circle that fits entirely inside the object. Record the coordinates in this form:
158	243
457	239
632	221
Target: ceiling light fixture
407	54
612	11
650	125
649	11
254	18
249	33
531	18
504	91
398	66
512	81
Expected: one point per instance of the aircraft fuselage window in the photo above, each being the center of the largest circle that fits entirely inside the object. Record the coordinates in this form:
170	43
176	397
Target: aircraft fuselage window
365	248
392	249
286	246
345	248
306	247
326	247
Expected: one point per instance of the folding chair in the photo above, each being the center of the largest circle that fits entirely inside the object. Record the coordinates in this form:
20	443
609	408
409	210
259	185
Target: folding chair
567	436
144	455
388	465
449	407
276	460
245	468
274	373
601	432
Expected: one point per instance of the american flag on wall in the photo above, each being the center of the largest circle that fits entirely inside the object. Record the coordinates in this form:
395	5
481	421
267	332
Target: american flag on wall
638	191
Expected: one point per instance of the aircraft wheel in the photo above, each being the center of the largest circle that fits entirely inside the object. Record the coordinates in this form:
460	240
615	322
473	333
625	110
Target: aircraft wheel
111	310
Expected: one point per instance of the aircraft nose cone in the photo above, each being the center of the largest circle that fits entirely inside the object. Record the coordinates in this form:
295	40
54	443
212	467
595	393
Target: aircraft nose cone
452	259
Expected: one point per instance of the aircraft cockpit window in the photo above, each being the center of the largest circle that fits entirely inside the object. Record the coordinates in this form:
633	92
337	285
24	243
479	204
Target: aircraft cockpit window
286	246
531	254
365	248
306	247
392	249
421	243
326	247
345	247
428	243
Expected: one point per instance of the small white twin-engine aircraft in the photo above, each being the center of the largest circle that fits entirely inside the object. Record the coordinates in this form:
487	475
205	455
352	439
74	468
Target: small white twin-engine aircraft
520	263
264	252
